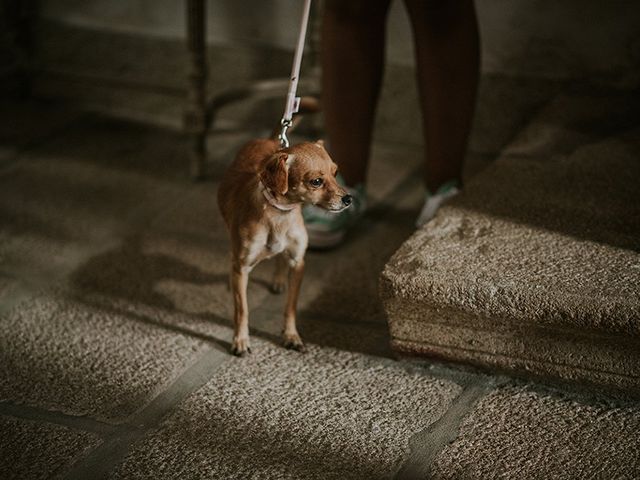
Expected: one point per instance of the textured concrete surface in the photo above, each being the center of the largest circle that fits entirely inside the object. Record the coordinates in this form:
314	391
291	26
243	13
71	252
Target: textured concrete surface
326	414
115	323
114	293
536	266
520	432
68	200
38	450
575	117
83	360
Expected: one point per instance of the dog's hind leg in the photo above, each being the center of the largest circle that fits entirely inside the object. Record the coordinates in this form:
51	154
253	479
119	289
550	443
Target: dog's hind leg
280	274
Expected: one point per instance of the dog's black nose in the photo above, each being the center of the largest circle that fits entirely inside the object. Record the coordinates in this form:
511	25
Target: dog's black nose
346	200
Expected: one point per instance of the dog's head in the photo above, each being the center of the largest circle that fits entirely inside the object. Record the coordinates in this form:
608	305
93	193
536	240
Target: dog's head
305	173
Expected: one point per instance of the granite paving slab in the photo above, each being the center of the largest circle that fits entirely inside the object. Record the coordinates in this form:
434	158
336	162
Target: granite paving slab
534	269
124	146
504	106
83	359
159	270
326	330
58	211
34	450
525	433
12	292
281	414
575	117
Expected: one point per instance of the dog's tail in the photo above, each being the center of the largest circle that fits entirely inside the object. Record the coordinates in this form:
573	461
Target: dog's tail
308	105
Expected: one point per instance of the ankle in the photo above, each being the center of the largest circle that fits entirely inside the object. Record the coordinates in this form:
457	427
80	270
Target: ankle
434	188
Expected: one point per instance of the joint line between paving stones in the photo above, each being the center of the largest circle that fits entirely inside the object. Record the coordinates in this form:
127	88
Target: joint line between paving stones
100	462
35	414
426	444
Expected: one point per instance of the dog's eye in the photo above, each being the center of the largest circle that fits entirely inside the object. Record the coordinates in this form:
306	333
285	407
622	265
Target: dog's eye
316	182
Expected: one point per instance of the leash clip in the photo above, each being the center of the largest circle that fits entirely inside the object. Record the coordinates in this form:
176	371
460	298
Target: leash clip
284	141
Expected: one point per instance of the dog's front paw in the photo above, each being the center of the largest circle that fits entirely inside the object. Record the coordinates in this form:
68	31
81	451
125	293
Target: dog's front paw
240	346
293	341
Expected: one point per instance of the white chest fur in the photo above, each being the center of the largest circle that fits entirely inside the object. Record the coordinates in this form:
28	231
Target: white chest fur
278	235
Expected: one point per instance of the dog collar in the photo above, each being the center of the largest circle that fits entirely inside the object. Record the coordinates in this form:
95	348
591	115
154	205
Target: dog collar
273	202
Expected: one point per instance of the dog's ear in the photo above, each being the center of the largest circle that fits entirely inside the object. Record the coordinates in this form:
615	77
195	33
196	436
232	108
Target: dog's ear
320	142
275	174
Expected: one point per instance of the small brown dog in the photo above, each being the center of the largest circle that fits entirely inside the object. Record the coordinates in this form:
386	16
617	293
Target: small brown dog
260	199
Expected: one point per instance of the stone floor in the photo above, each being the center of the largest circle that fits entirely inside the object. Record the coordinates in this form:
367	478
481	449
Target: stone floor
115	331
535	267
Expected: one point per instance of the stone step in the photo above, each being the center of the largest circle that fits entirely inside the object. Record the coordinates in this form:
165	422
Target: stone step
535	268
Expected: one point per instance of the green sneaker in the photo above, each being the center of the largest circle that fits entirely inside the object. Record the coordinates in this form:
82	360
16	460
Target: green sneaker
433	201
327	229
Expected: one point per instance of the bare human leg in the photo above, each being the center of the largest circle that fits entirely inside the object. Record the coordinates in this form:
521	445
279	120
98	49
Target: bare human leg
447	57
353	38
